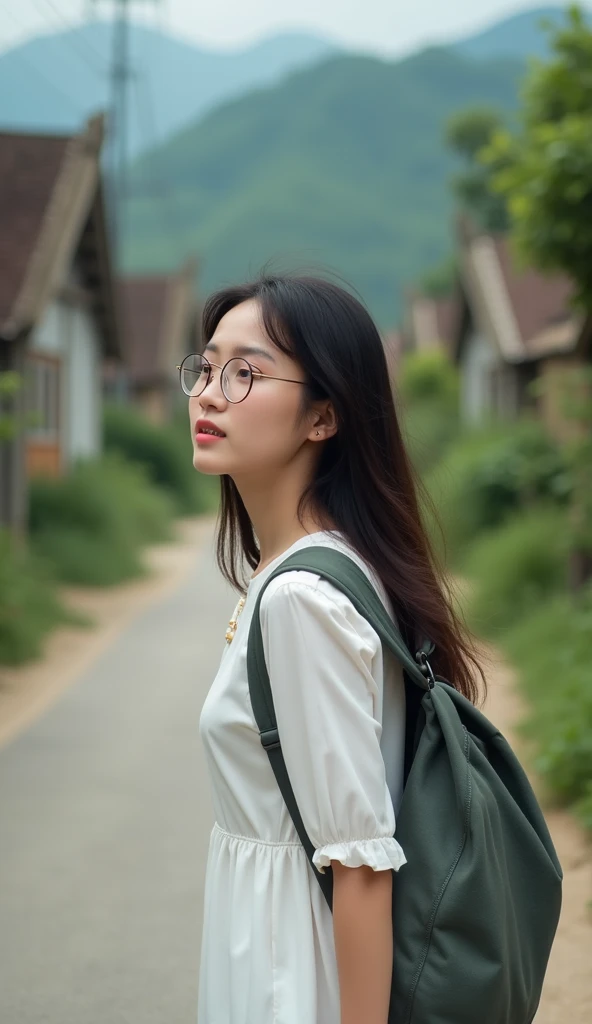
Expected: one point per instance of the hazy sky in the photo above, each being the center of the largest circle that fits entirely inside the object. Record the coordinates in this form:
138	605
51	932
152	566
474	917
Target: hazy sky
383	26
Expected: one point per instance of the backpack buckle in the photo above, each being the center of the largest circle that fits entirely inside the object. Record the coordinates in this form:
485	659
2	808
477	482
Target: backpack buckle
270	739
426	669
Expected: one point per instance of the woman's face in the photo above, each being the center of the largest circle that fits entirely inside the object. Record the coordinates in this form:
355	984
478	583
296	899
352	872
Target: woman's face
263	433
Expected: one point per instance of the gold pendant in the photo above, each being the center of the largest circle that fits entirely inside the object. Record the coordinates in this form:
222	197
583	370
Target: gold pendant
234	621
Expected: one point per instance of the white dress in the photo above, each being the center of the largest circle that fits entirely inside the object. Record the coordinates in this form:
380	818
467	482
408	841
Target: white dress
268	954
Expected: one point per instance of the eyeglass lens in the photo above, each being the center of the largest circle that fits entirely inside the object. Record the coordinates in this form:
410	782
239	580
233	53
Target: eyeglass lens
236	377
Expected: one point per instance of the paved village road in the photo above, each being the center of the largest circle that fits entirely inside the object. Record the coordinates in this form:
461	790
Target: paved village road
105	820
104	824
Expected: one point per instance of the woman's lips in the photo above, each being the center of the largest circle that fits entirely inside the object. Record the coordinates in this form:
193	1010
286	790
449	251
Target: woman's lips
202	438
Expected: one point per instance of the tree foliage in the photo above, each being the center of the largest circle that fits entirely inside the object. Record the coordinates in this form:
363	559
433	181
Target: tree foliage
468	134
547	177
439	281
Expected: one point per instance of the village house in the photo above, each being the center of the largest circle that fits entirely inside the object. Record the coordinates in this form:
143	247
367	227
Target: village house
515	326
159	314
430	323
58	318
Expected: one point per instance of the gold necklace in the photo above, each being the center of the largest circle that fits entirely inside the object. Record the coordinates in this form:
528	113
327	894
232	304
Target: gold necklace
234	620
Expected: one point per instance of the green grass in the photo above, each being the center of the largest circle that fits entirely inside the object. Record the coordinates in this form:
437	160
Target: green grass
517	568
91	525
503	495
551	649
29	606
490	475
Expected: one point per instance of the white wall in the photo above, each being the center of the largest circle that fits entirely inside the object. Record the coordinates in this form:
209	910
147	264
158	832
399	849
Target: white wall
84	386
477	362
68	331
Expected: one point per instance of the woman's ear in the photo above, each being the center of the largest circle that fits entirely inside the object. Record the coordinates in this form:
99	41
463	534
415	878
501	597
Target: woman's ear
324	421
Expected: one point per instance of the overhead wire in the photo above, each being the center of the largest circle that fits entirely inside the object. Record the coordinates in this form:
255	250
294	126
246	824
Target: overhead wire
90	55
155	177
40	75
172	223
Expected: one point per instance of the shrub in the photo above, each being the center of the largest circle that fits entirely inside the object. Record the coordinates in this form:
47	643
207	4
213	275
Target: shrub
164	451
91	524
29	607
427	393
428	431
551	649
428	376
490	474
516	567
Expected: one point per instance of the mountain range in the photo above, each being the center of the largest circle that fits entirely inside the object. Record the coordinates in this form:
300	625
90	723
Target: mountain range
340	165
519	36
54	82
291	150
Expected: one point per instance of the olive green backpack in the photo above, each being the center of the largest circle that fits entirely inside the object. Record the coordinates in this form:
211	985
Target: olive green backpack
475	909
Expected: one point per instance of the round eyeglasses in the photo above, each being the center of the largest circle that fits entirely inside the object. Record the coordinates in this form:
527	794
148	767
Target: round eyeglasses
236	377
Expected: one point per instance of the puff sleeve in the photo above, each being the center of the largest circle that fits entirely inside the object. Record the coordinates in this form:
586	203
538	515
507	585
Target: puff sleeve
320	654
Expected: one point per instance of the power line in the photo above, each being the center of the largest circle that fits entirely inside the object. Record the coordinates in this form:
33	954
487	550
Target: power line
148	129
85	49
43	78
175	223
119	127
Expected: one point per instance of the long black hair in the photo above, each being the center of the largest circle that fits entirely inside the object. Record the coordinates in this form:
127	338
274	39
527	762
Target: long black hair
364	482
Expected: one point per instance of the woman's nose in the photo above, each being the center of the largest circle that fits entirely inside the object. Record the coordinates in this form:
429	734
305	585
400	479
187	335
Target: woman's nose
212	394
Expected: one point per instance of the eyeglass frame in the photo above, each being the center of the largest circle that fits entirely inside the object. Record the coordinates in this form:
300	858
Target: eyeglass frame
210	365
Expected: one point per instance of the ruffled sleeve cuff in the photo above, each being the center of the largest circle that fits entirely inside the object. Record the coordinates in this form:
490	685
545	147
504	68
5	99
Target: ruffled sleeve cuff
379	854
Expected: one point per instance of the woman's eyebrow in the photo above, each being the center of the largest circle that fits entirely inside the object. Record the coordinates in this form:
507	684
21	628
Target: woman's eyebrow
242	350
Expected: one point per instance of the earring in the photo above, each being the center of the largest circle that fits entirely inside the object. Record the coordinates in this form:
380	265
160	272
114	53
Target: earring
318	433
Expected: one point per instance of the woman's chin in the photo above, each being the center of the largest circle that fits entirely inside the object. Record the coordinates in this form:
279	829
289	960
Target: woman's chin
205	464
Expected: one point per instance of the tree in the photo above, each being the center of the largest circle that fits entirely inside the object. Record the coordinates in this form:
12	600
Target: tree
438	282
547	183
544	171
468	134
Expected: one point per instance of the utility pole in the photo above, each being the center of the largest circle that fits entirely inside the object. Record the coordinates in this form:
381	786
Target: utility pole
121	73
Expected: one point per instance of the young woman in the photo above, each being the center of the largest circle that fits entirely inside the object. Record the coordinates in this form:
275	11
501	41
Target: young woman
291	405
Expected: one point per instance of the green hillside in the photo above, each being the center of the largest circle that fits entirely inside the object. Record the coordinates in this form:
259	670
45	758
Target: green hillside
341	165
54	82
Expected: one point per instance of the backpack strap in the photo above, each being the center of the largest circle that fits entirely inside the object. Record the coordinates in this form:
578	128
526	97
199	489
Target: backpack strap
343	573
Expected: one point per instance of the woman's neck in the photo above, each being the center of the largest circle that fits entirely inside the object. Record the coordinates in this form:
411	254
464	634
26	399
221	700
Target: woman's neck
273	510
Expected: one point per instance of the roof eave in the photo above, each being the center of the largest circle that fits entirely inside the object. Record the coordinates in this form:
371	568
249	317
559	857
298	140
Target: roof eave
62	224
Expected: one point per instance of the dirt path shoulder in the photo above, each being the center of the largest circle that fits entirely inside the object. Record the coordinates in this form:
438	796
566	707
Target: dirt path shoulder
26	691
568	987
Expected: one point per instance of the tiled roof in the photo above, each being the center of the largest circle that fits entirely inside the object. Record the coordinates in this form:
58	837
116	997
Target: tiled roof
541	303
29	168
528	314
143	304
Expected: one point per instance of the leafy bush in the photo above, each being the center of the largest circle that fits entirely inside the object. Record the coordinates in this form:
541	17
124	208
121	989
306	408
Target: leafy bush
551	649
164	451
29	607
427	390
428	376
91	524
490	474
516	567
429	431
